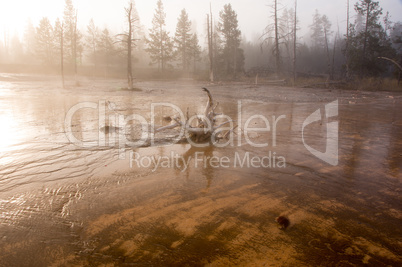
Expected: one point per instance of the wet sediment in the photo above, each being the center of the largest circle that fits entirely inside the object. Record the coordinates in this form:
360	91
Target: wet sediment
66	205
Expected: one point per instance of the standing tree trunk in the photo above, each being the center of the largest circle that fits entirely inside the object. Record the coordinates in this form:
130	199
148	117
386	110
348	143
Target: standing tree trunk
333	55
210	47
277	55
183	55
347	42
6	43
327	51
129	48
365	36
160	63
294	43
366	29
75	49
62	53
235	62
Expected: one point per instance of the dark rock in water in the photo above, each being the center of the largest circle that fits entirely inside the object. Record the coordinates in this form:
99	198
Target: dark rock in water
283	222
109	129
167	118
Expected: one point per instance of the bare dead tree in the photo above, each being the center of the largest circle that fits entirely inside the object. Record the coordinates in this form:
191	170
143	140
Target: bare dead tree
393	61
294	43
75	48
276	36
337	36
62	53
210	45
128	39
6	42
326	25
347	41
71	34
366	28
396	64
277	51
129	45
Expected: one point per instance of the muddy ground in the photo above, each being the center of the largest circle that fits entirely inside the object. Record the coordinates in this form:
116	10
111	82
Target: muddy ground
75	204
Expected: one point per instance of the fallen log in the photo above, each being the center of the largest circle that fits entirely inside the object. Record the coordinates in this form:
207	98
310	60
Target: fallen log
275	82
206	127
325	83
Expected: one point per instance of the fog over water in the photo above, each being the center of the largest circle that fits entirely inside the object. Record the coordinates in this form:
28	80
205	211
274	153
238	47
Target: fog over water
196	141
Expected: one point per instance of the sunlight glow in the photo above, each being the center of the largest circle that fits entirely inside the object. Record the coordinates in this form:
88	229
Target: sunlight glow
8	137
14	15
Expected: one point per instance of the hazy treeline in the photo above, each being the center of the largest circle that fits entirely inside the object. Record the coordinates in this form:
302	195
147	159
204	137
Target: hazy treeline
221	49
370	34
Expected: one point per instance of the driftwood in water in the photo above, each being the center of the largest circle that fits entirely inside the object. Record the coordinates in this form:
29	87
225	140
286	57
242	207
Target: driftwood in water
321	84
205	126
275	82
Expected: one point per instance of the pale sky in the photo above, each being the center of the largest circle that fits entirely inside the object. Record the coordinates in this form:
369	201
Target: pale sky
253	15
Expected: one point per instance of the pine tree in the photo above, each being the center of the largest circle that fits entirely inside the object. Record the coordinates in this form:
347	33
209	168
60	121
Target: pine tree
232	55
91	41
396	37
317	33
160	45
347	41
58	35
44	42
72	37
286	33
370	43
371	11
326	29
182	40
195	50
29	39
69	21
57	31
276	33
17	49
211	45
295	28
320	37
106	48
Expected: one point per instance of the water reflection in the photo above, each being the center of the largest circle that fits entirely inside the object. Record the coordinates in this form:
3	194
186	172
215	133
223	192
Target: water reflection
57	193
394	158
8	132
5	86
200	156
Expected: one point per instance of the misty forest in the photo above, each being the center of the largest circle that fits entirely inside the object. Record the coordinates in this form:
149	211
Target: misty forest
191	142
371	47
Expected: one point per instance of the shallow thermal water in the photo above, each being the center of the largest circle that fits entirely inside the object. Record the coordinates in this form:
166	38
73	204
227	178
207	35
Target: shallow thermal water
100	200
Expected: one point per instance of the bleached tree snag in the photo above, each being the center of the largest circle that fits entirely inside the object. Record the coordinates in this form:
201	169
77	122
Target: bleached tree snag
128	39
62	53
75	49
393	61
277	51
396	63
210	47
294	43
206	128
347	41
129	46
